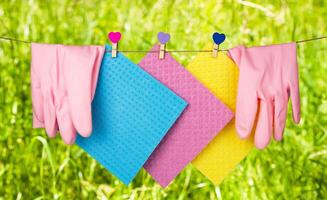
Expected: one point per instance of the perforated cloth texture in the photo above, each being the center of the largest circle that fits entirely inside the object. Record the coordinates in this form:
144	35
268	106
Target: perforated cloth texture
220	76
204	117
131	111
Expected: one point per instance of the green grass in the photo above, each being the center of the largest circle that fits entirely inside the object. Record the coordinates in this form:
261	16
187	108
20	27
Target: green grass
33	166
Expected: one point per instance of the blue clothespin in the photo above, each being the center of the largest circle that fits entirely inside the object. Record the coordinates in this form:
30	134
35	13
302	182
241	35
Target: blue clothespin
218	38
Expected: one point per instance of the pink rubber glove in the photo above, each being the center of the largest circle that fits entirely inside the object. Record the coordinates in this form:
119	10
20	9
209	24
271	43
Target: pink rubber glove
63	80
268	76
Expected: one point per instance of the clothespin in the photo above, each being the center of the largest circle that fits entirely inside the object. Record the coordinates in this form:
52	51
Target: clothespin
218	38
163	39
114	37
215	50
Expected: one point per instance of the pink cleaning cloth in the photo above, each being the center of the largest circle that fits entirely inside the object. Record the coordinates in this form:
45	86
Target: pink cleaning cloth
200	122
268	77
63	80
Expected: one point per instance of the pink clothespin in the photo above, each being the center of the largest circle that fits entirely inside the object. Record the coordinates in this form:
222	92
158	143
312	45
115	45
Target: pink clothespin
114	37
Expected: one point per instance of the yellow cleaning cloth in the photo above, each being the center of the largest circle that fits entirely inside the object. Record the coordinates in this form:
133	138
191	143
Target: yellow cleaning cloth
220	76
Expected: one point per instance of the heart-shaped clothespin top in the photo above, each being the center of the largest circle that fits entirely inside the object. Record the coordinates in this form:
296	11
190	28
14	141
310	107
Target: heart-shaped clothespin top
114	37
218	38
163	37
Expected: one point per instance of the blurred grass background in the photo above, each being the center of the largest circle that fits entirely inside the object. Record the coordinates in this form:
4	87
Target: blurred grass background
34	167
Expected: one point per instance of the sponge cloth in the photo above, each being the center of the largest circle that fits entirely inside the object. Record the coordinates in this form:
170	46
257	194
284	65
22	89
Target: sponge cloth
220	75
131	111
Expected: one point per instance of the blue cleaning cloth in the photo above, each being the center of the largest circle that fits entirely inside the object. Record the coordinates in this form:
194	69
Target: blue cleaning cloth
131	113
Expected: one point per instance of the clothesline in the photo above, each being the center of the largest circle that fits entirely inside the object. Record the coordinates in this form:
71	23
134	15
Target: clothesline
146	51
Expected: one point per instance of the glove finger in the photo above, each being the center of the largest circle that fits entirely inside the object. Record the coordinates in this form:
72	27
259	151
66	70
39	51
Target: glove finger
37	103
99	51
246	110
280	112
66	127
264	126
295	98
246	104
37	98
83	64
49	114
294	82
